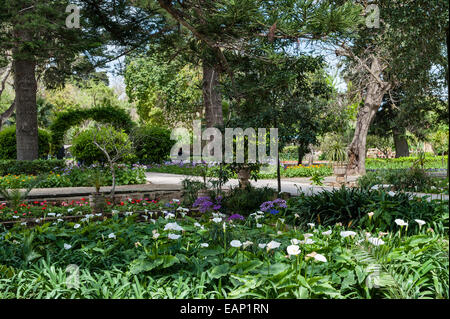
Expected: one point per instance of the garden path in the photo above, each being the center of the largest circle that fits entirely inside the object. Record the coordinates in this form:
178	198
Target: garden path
288	185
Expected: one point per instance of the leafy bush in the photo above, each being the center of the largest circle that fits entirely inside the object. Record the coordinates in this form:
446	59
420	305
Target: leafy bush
413	180
152	144
246	201
115	116
8	150
190	190
299	171
85	151
405	162
76	177
350	207
289	153
29	167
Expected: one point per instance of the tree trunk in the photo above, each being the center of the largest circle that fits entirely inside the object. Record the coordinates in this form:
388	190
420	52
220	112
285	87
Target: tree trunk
212	97
7	114
301	155
372	101
25	86
401	143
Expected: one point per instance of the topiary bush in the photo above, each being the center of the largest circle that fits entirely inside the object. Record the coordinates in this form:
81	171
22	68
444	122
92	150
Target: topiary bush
85	151
115	116
152	144
8	149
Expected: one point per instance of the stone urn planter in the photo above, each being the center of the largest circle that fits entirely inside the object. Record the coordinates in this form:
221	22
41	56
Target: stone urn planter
97	202
244	177
340	170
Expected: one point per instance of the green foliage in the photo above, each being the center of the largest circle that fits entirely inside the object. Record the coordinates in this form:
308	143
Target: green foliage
29	167
88	153
152	144
405	162
246	201
439	141
190	190
76	177
117	117
289	153
412	179
166	93
350	207
8	150
133	264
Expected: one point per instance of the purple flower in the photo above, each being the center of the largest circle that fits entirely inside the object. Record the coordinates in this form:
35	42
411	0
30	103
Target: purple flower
206	203
272	205
235	216
274	211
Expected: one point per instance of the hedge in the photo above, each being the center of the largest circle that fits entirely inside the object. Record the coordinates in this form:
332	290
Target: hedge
117	117
8	149
29	167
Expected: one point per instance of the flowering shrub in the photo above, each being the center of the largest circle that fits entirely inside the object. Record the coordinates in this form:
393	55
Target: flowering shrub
77	176
206	204
45	208
274	206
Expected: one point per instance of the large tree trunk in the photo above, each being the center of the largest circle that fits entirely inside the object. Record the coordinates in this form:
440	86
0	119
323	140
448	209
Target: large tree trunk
212	97
374	93
401	143
301	154
26	110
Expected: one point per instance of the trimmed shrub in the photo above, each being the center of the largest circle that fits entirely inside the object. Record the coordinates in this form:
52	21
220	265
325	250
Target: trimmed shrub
8	149
152	144
117	117
85	151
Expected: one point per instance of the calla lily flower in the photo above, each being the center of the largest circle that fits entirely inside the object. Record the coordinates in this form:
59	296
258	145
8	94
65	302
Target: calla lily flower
247	244
317	257
347	233
293	250
235	243
375	241
401	222
420	222
273	245
173	226
173	236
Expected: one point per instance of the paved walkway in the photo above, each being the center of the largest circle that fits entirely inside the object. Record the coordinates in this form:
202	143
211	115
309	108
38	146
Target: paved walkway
288	185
